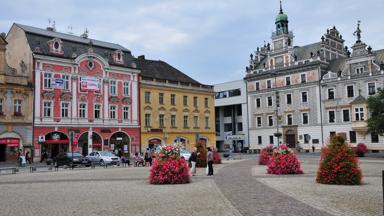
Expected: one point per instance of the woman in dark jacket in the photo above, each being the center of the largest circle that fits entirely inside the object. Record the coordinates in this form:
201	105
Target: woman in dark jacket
193	160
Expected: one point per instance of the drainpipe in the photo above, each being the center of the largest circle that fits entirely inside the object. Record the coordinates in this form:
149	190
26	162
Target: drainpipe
321	111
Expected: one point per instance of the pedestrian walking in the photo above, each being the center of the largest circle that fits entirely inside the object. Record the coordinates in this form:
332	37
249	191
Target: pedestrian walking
313	148
210	161
148	157
27	158
193	160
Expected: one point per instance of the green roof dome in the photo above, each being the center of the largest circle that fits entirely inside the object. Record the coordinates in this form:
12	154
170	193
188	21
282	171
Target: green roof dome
281	17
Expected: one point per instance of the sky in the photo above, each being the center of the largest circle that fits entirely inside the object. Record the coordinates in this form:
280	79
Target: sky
209	40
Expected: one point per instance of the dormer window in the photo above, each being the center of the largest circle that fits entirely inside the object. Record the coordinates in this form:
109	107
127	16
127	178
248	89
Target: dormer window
118	57
56	46
359	70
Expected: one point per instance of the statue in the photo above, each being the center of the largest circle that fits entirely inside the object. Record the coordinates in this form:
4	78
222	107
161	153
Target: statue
357	33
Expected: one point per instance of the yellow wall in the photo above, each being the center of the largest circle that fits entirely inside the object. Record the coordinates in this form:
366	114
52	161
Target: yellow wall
168	135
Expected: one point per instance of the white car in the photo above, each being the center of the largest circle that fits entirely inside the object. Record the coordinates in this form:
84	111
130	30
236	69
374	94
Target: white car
103	158
185	154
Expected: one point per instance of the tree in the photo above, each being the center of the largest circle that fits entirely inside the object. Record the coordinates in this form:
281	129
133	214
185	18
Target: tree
376	108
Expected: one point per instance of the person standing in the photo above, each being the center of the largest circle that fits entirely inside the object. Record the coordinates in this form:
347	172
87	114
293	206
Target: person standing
210	161
27	158
148	157
193	160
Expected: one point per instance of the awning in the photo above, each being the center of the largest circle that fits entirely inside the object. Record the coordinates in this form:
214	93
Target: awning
10	142
57	141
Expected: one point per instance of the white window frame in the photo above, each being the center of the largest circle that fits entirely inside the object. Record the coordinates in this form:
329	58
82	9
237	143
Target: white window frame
257	121
173	121
161	102
94	110
147	97
349	114
346	91
50	109
301	78
333	89
47	81
359	70
67	109
286	99
195	121
17	107
360	113
301	94
256	102
113	112
85	110
257	85
173	99
270	125
271	100
302	118
288	118
374	83
206	121
147	119
269	80
113	87
66	80
161	121
290	81
126	88
185	121
334	116
125	113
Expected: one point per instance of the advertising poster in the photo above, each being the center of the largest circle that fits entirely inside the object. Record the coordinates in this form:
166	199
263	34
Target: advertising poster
90	84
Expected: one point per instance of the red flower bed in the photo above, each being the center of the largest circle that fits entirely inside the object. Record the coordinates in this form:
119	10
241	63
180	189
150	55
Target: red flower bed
216	157
338	164
265	153
170	171
283	161
201	155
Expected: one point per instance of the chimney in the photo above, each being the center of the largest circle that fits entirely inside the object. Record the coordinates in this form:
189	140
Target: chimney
141	57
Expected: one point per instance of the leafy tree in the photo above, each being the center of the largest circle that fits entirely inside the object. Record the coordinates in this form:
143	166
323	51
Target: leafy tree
376	108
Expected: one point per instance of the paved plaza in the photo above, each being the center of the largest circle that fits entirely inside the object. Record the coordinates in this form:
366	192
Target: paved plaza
239	187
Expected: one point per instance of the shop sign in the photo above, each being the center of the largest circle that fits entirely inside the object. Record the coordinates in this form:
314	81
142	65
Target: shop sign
58	83
235	137
89	84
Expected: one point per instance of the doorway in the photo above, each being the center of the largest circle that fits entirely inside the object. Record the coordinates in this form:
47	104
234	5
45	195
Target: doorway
3	152
291	140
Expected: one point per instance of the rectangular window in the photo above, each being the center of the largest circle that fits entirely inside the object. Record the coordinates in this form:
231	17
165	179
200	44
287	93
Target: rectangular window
161	98
258	102
258	121
270	121
1	106
306	138
147	120
289	119
173	99
239	126
195	102
239	112
147	97
126	88
270	102
173	121
234	92
47	80
374	137
206	122
359	114
227	127
269	83
47	109
331	116
303	78
161	120
371	88
287	80
350	92
270	139
97	111
126	113
64	110
17	106
185	100
185	121
82	110
112	112
227	111
112	87
257	86
195	121
206	102
289	99
305	118
352	136
66	81
259	140
304	97
331	94
346	117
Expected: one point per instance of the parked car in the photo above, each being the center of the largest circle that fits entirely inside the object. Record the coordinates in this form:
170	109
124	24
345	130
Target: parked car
103	157
185	154
71	160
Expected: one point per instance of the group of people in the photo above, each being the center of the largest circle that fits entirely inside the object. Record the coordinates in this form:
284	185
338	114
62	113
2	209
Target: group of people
145	160
23	159
193	161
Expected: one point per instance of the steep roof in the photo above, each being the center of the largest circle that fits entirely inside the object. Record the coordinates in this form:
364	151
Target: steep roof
304	52
162	70
73	46
359	100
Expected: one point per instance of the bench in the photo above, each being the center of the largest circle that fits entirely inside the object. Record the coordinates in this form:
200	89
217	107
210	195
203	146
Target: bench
34	168
12	170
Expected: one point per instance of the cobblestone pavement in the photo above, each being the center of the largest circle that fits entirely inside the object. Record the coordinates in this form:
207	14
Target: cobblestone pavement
253	192
111	191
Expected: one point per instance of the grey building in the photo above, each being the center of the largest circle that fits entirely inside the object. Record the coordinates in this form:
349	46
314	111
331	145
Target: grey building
299	95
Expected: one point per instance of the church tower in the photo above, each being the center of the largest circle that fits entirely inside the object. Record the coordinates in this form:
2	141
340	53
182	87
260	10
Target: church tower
282	38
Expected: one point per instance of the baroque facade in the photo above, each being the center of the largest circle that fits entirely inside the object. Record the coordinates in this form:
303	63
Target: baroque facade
84	88
16	101
174	107
300	96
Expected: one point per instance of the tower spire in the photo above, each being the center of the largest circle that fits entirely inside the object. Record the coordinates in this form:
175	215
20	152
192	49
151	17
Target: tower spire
281	7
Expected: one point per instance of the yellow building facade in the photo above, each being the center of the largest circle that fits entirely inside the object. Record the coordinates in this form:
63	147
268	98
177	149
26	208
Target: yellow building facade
175	111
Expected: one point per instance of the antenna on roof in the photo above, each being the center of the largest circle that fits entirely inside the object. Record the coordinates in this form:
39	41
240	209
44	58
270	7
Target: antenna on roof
51	27
70	29
85	34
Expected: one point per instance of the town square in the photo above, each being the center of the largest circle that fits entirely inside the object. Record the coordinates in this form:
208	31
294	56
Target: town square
176	107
